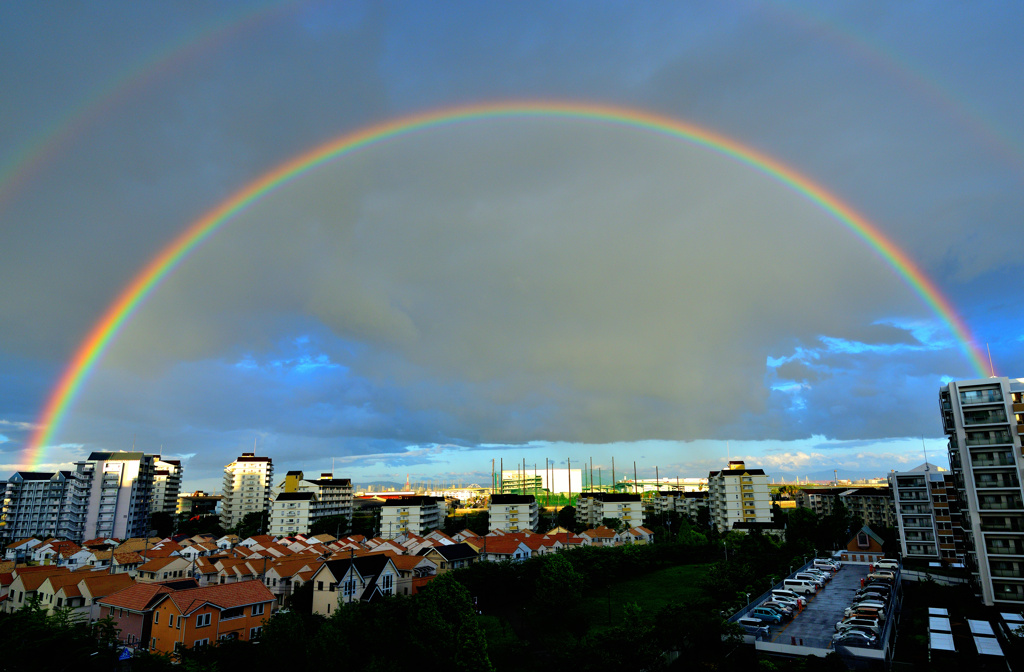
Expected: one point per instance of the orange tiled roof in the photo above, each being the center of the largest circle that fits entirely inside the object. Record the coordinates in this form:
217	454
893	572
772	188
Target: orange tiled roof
225	596
104	584
137	597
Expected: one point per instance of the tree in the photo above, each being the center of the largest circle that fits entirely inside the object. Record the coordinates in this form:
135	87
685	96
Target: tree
252	524
333	525
444	623
208	524
163	523
614	523
566	517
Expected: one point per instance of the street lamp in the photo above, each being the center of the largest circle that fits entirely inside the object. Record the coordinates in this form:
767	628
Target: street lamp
748	598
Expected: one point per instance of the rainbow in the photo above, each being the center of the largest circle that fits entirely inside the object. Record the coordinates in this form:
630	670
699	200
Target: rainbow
148	279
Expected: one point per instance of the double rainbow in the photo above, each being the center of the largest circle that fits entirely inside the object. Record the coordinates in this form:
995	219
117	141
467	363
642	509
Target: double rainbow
99	338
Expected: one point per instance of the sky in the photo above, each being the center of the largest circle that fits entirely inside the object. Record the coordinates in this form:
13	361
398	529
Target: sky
521	287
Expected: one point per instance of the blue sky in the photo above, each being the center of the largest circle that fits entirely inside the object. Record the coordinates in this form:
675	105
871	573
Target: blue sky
511	289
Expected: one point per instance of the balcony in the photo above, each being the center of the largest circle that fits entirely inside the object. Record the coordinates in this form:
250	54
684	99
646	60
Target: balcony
971	397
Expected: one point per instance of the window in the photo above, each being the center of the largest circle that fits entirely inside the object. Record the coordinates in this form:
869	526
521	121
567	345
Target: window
254	633
203	620
156	617
389	582
180	619
319	585
257	609
201	642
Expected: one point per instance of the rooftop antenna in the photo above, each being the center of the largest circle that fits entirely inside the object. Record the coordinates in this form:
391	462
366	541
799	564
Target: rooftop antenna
924	449
991	369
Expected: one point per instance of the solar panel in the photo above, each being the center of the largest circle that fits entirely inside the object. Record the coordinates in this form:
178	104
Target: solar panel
981	628
988	646
938	611
1013	618
941	641
938	624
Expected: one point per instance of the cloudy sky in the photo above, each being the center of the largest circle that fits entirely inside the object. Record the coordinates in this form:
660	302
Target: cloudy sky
514	288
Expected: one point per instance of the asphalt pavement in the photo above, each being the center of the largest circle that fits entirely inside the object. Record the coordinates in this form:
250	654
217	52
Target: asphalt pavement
816	624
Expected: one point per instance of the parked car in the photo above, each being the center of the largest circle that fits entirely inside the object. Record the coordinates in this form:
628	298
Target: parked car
766	614
753	626
864	623
889	564
813	578
789	594
868	604
801	586
863	611
791	602
824	563
826	575
879	588
883	575
786	611
859	638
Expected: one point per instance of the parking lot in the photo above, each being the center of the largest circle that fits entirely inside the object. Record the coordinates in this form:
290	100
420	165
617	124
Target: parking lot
816	624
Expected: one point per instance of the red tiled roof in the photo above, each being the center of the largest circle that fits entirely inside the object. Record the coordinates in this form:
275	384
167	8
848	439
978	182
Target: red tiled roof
104	584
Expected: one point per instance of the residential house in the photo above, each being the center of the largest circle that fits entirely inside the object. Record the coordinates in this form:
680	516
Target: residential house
600	536
163	569
637	535
131	609
283	578
26	583
94	587
865	547
447	558
504	548
203	616
19	550
361	578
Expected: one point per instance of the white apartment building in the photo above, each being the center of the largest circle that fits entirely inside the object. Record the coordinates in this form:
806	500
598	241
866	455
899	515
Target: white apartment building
928	516
40	504
984	420
513	513
166	485
538	480
116	489
247	483
418	514
738	495
320	498
594	507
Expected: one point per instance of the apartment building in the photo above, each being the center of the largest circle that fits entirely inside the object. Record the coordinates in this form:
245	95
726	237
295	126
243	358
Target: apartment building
40	504
166	485
928	515
247	484
513	513
116	489
303	501
533	480
984	420
737	494
416	514
593	507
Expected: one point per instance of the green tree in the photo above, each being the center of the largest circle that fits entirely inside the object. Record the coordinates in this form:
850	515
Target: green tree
332	525
163	523
445	623
566	517
253	524
614	523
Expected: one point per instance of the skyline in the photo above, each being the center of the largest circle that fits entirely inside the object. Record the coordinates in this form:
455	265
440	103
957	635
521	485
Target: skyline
517	285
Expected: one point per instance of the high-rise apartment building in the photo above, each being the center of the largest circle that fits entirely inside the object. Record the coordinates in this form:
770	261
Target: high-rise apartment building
247	483
418	515
513	513
593	507
984	420
166	485
303	501
928	517
40	504
738	495
116	490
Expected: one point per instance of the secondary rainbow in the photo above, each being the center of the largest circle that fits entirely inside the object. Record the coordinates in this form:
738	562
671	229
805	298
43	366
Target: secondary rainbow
103	332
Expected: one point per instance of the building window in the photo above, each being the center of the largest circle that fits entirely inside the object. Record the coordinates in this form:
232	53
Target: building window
203	620
257	609
201	642
254	633
156	617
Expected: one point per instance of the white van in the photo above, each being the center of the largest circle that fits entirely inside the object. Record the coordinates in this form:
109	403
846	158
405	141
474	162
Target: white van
824	563
800	586
888	563
813	578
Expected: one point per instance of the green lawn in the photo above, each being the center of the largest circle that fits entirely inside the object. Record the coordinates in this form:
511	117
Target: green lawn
651	591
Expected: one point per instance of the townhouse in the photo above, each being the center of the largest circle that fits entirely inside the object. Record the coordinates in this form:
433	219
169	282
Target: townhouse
362	578
203	616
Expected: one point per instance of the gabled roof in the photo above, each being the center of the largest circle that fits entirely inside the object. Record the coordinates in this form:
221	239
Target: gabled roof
224	596
137	597
32	580
452	552
102	583
500	546
600	532
157	564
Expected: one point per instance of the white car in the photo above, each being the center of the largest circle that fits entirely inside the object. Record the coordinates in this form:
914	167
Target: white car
862	623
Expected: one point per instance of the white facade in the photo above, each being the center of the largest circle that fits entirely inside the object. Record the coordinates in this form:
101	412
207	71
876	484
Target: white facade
118	489
40	504
984	420
247	483
513	513
418	515
290	513
166	485
554	480
739	495
593	507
